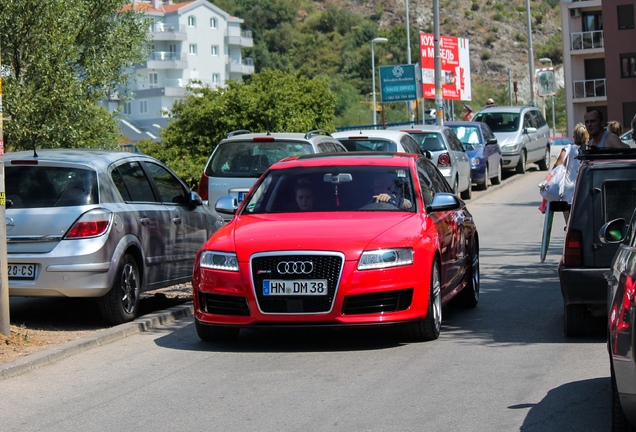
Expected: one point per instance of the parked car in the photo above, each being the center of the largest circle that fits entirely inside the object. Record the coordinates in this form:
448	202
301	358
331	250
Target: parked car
352	260
628	138
447	153
239	159
605	190
100	224
523	135
378	140
560	141
621	320
483	151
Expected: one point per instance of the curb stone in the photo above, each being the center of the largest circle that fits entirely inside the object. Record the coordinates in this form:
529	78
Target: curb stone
103	337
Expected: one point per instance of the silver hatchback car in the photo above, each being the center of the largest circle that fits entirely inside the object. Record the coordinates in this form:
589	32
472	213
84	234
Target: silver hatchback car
448	154
101	224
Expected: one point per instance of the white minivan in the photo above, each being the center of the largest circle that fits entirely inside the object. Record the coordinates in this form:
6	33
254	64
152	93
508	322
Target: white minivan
522	133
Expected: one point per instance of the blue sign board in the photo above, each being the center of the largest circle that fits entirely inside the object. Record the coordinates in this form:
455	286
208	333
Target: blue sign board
398	83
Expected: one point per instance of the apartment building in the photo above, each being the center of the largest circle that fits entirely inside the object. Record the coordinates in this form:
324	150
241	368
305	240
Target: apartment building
599	59
191	42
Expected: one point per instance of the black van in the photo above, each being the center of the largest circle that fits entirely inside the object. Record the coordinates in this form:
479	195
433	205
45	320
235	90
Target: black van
605	190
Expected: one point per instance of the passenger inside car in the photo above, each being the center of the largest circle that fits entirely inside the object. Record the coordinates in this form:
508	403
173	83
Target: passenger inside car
304	196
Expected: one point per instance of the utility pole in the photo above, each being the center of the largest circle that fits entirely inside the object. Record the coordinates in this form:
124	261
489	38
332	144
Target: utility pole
530	52
5	323
439	100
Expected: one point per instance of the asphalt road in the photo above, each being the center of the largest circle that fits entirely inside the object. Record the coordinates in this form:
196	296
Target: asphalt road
503	366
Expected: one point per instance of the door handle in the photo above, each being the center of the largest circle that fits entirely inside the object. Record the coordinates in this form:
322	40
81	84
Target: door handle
177	221
144	221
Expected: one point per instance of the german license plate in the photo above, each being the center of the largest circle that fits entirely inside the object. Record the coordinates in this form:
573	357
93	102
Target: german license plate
305	287
22	271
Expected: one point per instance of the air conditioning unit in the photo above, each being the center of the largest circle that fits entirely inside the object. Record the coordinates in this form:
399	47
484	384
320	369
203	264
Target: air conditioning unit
575	13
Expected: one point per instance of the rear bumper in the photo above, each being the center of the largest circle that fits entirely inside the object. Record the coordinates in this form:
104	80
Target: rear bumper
583	285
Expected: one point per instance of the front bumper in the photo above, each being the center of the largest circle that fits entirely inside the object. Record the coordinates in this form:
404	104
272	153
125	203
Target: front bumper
510	160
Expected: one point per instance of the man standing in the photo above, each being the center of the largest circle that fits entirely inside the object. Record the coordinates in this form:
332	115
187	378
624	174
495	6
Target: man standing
599	137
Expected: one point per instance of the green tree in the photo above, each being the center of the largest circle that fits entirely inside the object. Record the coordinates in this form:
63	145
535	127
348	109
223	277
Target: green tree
59	58
268	101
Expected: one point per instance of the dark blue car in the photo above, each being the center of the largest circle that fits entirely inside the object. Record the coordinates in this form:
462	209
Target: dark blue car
482	150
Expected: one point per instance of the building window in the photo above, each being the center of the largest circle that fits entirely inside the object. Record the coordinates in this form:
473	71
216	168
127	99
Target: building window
628	65
216	78
143	106
625	16
128	108
214	23
193	49
215	50
153	80
192	21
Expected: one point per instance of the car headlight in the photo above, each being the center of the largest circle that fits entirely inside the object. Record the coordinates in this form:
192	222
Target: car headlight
510	147
219	261
383	258
474	162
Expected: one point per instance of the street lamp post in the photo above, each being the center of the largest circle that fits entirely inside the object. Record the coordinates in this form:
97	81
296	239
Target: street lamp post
547	60
378	39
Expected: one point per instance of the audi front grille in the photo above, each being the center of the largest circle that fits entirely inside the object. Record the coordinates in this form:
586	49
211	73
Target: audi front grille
299	267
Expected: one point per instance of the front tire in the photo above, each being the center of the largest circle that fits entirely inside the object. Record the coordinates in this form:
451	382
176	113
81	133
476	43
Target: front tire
468	193
521	166
121	303
544	164
429	327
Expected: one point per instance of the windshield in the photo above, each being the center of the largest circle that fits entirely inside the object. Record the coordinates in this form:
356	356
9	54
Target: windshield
499	121
333	189
252	158
468	135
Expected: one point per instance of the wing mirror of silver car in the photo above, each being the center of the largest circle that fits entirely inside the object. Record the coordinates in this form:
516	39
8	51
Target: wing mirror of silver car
612	232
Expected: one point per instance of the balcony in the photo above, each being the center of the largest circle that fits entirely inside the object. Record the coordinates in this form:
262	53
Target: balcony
244	40
163	32
589	89
166	60
587	40
245	67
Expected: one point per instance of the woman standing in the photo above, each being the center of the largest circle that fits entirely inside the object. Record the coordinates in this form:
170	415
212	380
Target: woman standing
567	157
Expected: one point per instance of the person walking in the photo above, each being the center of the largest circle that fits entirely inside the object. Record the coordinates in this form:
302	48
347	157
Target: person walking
615	127
468	113
599	137
568	158
490	102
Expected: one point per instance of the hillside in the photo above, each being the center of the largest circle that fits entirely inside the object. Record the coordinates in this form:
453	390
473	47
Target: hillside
496	29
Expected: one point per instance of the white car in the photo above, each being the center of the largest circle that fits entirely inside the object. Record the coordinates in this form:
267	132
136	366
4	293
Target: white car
378	140
627	138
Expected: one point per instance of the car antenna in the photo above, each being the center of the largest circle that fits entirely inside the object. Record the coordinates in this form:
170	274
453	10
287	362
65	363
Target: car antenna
35	154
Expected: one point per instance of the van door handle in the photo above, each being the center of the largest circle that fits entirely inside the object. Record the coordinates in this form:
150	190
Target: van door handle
144	221
177	221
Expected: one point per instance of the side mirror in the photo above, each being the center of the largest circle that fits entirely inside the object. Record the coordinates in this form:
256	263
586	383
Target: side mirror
194	200
491	141
530	130
612	232
443	201
226	205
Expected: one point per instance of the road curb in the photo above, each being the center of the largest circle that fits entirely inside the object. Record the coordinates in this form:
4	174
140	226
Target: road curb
103	337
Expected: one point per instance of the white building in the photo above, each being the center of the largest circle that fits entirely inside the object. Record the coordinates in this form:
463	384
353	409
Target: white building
191	41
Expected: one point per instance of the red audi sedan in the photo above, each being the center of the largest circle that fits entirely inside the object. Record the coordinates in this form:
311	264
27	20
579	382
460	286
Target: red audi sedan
347	239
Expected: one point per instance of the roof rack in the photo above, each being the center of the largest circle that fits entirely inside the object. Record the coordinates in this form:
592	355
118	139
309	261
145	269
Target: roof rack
596	153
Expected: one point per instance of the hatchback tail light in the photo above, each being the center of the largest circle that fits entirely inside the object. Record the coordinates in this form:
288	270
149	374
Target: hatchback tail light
573	249
202	189
444	160
91	224
620	318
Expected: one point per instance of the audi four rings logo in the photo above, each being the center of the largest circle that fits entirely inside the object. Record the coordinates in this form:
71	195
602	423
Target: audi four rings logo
295	267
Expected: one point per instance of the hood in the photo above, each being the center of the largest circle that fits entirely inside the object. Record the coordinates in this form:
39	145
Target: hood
350	233
504	138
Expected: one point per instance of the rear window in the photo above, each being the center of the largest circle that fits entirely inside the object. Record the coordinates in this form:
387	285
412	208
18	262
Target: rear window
429	141
468	135
371	144
620	199
32	186
499	121
252	158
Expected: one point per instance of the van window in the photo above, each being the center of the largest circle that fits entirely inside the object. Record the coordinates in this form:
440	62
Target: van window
619	199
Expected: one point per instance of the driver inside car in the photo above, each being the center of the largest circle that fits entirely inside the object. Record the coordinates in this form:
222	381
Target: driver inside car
385	190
